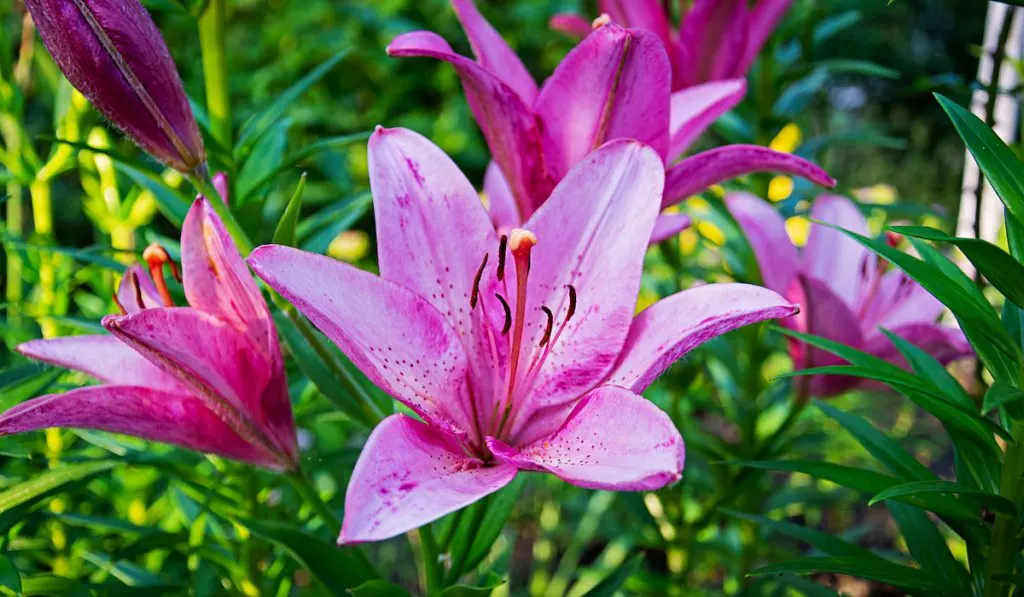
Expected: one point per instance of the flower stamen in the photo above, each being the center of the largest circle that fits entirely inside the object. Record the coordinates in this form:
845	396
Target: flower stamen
508	315
155	257
475	296
547	328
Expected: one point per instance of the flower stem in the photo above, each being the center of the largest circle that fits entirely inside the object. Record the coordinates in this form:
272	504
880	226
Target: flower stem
1004	544
15	266
204	187
42	218
309	494
215	71
431	564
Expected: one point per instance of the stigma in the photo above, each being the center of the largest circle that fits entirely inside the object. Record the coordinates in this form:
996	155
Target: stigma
156	257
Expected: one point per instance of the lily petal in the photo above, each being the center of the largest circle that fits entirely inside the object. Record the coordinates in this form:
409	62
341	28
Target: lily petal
823	313
614	84
502	205
777	257
103	357
764	17
834	258
493	53
694	109
145	412
133	299
946	344
669	225
640	14
613	439
596	224
505	119
394	336
713	36
667	330
697	173
570	24
410	474
898	301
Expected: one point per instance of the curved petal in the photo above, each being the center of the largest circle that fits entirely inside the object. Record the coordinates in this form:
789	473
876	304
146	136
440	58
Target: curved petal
506	121
614	85
764	17
822	313
613	439
592	233
777	257
493	53
667	330
945	344
836	259
713	34
397	338
136	291
570	24
669	225
144	412
697	173
410	474
694	109
104	357
641	14
502	205
897	301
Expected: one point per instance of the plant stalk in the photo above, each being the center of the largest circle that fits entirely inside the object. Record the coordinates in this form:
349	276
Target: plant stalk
1004	545
215	71
309	494
204	187
431	563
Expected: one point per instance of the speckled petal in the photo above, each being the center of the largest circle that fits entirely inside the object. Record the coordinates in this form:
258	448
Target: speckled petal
410	474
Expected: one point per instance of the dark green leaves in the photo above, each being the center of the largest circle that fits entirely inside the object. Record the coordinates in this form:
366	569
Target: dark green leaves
51	481
284	234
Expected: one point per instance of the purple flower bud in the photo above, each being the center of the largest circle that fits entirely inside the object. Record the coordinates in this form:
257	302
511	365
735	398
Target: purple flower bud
113	53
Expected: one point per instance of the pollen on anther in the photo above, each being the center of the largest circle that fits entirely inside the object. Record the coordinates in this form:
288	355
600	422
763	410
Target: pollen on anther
547	328
508	314
476	283
572	302
502	245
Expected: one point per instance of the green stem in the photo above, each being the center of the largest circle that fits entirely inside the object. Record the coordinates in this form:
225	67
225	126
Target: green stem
215	71
431	563
1004	545
15	266
204	187
42	218
311	497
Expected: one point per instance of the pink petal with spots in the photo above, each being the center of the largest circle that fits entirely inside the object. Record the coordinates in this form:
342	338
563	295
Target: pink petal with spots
613	439
614	85
493	53
394	336
145	412
105	358
667	330
410	474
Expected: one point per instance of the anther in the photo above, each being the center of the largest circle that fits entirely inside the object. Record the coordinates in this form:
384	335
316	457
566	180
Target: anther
155	257
508	314
572	303
120	307
601	21
476	283
502	245
547	328
138	290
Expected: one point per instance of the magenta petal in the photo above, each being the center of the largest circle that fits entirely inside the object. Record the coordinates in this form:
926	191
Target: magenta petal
614	84
763	19
897	301
570	24
148	413
103	357
822	313
410	474
133	299
697	173
669	225
506	121
613	439
714	39
762	224
945	344
640	14
833	257
493	53
667	330
394	336
596	224
695	108
502	205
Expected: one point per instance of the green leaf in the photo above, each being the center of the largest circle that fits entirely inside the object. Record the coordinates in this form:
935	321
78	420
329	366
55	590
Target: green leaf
1000	394
9	575
925	365
615	581
378	588
316	232
263	120
858	67
992	501
47	585
335	567
10	447
49	482
293	159
895	458
284	234
499	507
928	547
172	203
266	156
996	160
833	546
1002	270
490	582
905	577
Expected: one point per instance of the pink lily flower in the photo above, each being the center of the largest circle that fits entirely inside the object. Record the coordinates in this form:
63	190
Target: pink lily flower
716	40
846	292
208	377
616	84
517	351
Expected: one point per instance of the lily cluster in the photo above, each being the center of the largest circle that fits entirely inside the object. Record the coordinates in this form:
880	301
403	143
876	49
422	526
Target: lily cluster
846	292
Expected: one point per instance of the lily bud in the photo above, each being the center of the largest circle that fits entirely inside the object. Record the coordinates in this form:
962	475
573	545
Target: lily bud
113	53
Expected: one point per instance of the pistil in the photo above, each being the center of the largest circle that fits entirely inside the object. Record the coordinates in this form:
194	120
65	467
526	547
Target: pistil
520	244
155	257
